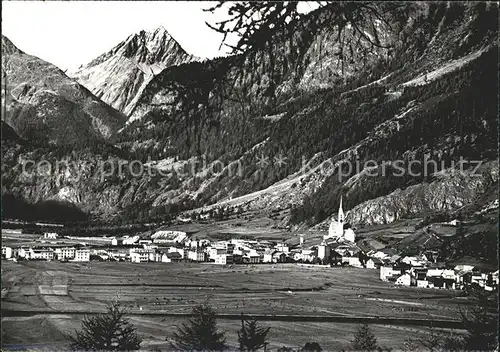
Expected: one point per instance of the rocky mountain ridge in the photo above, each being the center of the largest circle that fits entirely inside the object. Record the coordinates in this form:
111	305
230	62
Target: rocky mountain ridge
44	105
119	76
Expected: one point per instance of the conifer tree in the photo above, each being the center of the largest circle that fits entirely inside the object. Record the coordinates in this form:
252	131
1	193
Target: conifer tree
311	347
364	339
107	332
200	333
251	336
481	323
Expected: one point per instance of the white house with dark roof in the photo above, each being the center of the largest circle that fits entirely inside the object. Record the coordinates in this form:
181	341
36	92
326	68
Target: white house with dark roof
268	256
6	252
374	263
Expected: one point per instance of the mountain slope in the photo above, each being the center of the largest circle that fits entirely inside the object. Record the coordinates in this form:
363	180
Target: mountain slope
119	76
428	98
44	105
208	125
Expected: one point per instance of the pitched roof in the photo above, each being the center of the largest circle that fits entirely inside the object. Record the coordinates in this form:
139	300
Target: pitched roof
376	260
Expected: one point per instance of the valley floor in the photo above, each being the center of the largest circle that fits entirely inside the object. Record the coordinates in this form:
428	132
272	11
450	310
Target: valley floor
53	297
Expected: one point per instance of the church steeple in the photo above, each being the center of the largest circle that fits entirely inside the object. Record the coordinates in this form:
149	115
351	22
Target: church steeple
336	229
340	216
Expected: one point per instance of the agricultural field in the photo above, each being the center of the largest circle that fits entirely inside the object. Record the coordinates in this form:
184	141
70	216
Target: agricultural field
53	296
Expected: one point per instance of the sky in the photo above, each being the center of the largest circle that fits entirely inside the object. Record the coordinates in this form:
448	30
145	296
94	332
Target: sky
71	33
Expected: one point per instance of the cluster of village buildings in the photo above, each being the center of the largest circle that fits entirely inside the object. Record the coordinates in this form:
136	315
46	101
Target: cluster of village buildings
420	272
164	246
338	248
175	246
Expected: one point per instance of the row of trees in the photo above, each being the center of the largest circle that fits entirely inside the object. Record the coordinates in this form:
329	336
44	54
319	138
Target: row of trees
113	332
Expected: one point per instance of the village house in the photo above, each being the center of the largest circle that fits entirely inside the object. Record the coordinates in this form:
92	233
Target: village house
268	256
415	260
388	273
374	263
162	257
142	255
194	244
335	258
64	253
479	278
150	246
22	252
279	257
423	283
420	276
100	253
238	250
324	251
346	250
181	251
6	252
463	278
82	255
394	259
224	259
494	276
118	254
282	247
174	257
50	235
216	251
197	255
464	268
441	278
352	260
168	257
40	254
379	255
237	258
449	279
252	258
404	280
306	255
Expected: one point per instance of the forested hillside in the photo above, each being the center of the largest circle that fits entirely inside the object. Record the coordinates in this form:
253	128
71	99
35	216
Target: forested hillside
372	112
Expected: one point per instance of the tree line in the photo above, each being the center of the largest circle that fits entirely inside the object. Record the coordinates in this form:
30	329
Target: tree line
112	331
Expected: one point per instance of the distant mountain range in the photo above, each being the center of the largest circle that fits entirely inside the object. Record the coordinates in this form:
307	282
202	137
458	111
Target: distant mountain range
119	76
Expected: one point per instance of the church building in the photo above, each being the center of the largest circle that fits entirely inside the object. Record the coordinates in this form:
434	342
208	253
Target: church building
336	230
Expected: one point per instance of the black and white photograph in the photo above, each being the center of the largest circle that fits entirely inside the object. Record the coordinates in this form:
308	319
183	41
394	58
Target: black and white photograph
283	176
